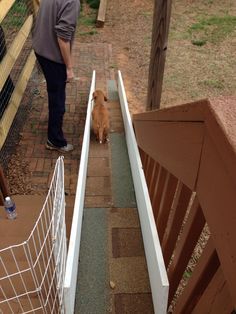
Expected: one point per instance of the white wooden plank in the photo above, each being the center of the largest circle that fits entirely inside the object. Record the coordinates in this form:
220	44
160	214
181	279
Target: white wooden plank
75	235
156	267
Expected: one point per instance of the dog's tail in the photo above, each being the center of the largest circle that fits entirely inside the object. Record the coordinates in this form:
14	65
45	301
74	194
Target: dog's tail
100	133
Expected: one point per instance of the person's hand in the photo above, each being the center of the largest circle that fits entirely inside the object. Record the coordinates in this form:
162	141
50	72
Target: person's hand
70	75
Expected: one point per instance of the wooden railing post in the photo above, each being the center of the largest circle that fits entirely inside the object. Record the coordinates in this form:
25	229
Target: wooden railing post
5	191
33	6
161	22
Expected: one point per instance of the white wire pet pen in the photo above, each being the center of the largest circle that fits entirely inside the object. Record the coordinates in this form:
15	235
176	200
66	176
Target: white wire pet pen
32	273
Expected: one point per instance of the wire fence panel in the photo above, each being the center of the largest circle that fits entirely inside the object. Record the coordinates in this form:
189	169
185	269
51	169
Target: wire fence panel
32	273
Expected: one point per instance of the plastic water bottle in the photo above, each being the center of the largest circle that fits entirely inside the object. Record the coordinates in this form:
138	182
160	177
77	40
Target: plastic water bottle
10	208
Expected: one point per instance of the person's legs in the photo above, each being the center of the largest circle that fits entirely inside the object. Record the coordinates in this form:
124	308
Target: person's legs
55	75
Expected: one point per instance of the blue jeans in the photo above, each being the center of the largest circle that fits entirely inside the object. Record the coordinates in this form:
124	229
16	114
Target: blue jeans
55	75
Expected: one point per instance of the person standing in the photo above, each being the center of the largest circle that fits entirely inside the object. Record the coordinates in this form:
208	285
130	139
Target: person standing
52	39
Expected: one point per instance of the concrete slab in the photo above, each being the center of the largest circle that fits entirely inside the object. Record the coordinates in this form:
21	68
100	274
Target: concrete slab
117	118
127	242
124	218
112	90
138	303
129	275
98	150
97	201
116	128
113	105
98	166
98	186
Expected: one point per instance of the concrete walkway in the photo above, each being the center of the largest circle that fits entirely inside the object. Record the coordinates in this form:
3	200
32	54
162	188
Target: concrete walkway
112	268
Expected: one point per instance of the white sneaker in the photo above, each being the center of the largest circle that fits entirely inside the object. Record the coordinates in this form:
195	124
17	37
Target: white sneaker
63	149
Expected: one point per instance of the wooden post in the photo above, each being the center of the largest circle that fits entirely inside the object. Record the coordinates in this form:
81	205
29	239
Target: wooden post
5	191
33	6
160	30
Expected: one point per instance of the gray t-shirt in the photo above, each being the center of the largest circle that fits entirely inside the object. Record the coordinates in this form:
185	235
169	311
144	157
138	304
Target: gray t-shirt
56	18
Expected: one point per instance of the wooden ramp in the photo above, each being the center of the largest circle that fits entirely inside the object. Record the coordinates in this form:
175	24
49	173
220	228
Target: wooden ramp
112	271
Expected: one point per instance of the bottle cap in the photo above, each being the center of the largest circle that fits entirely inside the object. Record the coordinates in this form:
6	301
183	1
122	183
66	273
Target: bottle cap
7	198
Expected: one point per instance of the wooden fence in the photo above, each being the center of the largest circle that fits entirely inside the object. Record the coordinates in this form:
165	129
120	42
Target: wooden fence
189	160
16	20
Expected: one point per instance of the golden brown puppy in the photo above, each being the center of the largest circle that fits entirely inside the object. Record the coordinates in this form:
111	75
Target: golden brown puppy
100	117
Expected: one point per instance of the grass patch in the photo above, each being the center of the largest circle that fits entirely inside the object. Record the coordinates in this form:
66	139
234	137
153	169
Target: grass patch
146	14
87	21
213	29
15	17
213	84
187	274
94	4
198	42
92	32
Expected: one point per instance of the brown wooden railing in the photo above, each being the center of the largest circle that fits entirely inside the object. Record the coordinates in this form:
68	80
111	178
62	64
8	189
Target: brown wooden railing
189	159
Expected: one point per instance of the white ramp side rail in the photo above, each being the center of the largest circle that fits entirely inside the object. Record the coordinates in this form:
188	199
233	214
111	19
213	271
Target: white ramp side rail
74	245
156	267
32	273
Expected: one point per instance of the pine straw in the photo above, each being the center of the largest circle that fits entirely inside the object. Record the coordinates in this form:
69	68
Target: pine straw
198	250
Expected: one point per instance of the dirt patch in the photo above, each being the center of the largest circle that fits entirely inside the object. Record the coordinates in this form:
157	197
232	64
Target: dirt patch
128	29
192	71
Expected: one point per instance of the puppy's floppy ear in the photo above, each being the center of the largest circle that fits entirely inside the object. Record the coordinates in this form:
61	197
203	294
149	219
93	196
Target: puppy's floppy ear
105	98
95	95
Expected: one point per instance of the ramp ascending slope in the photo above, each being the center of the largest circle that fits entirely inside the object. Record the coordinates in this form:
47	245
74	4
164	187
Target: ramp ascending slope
112	271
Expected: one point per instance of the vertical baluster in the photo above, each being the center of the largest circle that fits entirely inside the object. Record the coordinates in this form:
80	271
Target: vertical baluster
145	162
159	192
202	275
149	173
141	152
188	239
180	205
165	206
153	181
